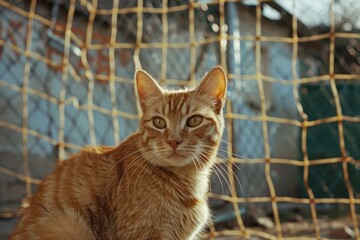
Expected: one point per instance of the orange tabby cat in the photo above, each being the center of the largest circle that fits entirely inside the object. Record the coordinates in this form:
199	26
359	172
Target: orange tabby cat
152	186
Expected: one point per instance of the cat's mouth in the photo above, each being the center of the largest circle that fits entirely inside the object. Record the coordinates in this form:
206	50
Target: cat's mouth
176	154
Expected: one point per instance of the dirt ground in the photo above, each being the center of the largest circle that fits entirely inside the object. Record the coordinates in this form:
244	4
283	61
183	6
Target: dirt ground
339	229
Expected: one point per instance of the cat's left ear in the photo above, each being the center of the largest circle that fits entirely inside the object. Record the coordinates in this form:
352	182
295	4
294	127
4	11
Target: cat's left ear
213	86
146	87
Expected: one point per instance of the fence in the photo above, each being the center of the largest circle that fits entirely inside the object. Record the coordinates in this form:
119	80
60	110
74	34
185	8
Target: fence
292	114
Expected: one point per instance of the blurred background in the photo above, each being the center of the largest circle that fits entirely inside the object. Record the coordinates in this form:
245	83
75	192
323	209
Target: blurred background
289	163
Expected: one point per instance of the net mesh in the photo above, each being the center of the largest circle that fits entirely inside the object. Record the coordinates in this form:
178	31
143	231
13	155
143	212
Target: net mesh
292	115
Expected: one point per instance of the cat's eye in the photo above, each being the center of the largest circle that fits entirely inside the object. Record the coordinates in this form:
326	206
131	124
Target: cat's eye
159	122
194	121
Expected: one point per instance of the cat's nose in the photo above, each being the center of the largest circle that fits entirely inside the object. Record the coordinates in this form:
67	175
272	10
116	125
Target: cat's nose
174	143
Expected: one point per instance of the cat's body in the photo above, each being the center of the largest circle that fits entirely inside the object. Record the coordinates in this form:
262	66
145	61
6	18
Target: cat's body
152	186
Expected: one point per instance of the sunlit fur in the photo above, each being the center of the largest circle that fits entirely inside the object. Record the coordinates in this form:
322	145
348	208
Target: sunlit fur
144	188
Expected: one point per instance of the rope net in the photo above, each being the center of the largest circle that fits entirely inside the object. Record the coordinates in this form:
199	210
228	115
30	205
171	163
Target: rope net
292	121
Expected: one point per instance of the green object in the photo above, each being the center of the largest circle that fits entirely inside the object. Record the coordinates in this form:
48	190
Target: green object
327	180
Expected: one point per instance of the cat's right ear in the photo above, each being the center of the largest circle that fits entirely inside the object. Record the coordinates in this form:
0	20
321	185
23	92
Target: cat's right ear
146	87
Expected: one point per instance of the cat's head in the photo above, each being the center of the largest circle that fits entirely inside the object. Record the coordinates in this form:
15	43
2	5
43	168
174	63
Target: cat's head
184	127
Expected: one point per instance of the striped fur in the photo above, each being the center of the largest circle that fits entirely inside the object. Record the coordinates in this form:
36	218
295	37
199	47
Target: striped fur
145	188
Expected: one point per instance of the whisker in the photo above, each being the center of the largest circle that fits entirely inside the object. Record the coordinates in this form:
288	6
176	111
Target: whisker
145	168
210	147
218	154
136	161
221	184
122	158
228	184
195	163
144	156
237	179
232	163
232	172
225	151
